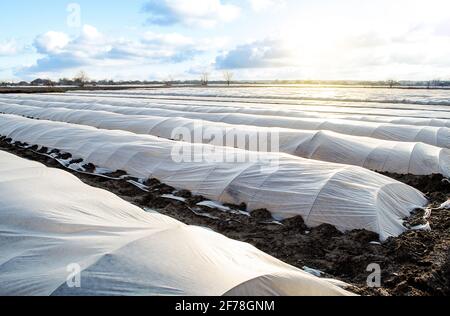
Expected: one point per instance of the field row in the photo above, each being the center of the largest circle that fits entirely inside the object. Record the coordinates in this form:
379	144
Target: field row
351	96
67	227
344	196
375	154
409	116
286	178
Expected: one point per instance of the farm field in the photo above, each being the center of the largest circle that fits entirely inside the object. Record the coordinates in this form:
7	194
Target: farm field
318	183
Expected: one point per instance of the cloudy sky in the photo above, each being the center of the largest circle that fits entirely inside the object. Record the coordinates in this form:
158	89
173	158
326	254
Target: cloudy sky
255	39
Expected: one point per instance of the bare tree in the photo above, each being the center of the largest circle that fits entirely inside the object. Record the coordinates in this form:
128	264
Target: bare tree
204	79
391	83
81	79
49	83
228	76
436	83
169	81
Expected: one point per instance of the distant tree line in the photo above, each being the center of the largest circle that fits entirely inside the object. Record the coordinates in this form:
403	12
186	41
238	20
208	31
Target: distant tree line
82	80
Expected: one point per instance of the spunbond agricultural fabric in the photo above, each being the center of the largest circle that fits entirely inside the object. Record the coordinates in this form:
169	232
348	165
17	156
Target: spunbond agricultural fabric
255	109
370	153
261	107
284	106
53	225
346	197
290	107
382	97
436	136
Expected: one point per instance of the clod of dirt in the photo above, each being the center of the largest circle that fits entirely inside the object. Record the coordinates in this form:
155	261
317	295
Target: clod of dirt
116	174
43	150
155	185
90	168
261	215
64	156
75	161
184	194
296	224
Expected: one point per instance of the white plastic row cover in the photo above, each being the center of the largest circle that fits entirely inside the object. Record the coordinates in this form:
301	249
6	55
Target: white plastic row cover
346	197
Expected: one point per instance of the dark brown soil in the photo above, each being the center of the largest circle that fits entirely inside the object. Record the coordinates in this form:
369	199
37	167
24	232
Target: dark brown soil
416	263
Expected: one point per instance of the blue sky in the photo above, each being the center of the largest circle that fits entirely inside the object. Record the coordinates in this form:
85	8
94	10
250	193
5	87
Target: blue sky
255	39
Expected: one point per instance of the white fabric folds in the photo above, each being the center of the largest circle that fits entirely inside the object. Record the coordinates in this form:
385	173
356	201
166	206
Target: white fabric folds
51	225
370	153
435	136
292	108
423	106
347	197
365	116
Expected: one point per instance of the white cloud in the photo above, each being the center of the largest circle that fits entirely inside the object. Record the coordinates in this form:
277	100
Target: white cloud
259	54
203	13
51	42
316	53
171	39
8	48
262	5
90	33
93	49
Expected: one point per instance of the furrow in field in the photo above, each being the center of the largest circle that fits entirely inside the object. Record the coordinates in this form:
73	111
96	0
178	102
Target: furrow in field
257	109
349	95
346	197
374	154
285	103
435	136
